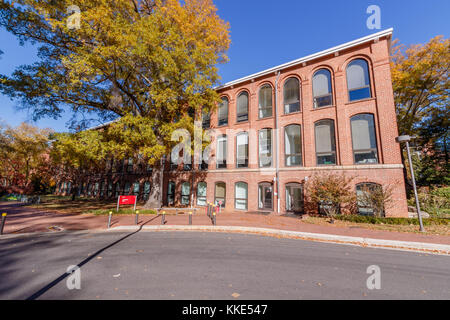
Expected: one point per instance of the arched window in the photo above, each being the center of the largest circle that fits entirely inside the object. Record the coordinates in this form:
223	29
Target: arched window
223	112
221	159
201	193
136	189
110	189
185	193
364	139
291	95
325	142
241	196
171	193
369	198
294	197
265	196
358	80
206	119
147	188
242	107
127	188
322	89
102	189
130	165
265	148
293	145
265	101
242	150
220	193
117	192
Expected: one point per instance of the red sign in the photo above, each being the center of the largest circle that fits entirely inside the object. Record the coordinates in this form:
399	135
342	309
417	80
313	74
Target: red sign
124	200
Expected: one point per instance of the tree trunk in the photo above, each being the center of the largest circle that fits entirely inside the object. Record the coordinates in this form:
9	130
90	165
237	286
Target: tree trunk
155	197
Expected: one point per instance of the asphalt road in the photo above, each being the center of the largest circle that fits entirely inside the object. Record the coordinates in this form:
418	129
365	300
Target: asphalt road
181	265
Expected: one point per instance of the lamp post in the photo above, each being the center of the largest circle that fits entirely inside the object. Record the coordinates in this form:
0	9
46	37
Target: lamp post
407	139
161	181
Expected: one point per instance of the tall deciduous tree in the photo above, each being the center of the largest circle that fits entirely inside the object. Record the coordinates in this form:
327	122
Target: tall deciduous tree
420	75
144	63
24	161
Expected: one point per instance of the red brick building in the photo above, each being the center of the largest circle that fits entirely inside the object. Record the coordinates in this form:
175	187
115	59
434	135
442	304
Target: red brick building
333	110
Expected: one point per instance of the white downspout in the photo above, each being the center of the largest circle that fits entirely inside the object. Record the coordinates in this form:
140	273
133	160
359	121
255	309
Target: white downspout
277	143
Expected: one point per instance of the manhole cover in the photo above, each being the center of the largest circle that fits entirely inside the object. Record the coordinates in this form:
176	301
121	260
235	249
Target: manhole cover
55	229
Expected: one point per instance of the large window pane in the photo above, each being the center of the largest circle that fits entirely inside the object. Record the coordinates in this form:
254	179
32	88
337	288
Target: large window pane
265	101
201	194
325	142
364	140
171	193
117	193
206	119
147	188
110	189
185	193
265	196
294	197
322	89
366	195
223	112
130	165
291	94
136	187
220	194
293	145
241	196
242	150
221	152
242	107
358	81
265	148
127	188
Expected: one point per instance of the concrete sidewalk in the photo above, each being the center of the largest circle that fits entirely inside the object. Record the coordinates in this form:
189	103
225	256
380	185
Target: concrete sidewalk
27	220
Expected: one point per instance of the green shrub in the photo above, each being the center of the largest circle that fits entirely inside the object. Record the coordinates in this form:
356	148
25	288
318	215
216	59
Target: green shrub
436	202
392	221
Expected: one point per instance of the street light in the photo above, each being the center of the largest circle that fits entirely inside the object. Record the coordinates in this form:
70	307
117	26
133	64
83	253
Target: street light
407	139
161	181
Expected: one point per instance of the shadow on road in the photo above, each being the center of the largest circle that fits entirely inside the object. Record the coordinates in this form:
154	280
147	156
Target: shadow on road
43	290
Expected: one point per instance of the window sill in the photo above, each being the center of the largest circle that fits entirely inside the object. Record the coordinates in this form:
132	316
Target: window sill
358	101
366	164
262	119
291	114
322	108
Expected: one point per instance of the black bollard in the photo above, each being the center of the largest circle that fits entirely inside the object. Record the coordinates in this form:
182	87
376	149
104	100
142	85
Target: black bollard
109	219
3	223
190	218
163	219
137	218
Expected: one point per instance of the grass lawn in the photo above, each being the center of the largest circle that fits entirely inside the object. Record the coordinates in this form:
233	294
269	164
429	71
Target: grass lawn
430	230
64	204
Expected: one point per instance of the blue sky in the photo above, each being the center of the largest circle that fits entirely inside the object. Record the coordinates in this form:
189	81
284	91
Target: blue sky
267	33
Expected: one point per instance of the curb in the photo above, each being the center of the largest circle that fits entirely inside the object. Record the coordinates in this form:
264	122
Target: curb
422	247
